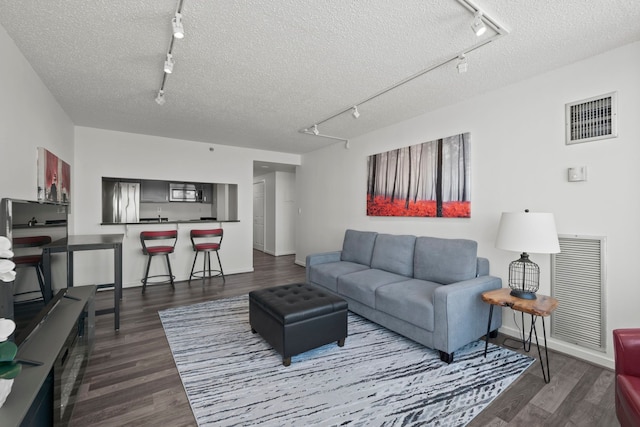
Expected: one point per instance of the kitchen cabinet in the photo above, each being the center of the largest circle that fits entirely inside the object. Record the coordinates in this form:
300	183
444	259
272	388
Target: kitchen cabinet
207	193
153	191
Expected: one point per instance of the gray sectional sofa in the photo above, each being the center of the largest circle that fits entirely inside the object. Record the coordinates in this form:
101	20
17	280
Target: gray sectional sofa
425	288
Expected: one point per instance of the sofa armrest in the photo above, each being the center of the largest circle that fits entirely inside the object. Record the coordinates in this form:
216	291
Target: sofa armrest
460	314
482	267
626	343
320	258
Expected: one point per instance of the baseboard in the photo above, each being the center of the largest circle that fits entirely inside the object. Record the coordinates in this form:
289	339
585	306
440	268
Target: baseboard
300	263
185	278
600	359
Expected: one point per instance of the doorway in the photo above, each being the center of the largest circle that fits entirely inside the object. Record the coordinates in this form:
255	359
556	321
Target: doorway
258	215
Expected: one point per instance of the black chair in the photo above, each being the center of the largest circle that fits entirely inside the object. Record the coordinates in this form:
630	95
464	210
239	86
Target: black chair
167	242
34	260
206	241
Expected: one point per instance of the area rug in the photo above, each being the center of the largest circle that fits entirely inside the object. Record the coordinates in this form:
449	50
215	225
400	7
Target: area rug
233	377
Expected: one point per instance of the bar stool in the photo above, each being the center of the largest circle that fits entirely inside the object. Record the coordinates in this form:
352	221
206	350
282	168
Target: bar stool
166	247
206	241
34	260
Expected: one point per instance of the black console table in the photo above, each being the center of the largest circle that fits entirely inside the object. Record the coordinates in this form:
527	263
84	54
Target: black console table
87	242
54	357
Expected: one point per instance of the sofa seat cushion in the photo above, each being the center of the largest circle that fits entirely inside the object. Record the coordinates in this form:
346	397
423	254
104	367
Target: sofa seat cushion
327	274
358	246
445	261
361	286
411	301
394	254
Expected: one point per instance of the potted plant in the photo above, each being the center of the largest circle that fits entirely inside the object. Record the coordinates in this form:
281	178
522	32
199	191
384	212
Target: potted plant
9	368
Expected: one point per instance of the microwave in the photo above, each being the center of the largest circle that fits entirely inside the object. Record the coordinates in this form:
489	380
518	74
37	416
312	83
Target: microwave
184	193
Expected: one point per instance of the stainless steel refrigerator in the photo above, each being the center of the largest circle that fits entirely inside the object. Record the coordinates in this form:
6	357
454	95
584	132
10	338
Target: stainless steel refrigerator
120	201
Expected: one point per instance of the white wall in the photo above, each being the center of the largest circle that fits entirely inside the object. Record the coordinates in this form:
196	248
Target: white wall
101	153
29	118
519	160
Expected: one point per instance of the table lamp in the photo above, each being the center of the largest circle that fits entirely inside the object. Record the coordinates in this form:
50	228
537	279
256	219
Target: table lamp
526	232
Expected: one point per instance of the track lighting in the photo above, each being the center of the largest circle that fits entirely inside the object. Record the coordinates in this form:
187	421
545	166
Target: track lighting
477	25
355	112
176	23
462	64
168	64
315	130
160	98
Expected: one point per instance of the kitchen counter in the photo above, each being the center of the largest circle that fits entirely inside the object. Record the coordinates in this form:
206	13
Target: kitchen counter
184	221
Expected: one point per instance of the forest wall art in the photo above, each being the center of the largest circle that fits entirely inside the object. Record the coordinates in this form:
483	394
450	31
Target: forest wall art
431	179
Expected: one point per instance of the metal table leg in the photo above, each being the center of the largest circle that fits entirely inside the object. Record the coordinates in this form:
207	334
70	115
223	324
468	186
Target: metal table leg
486	338
546	375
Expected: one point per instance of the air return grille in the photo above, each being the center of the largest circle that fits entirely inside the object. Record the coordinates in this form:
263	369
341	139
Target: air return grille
592	119
577	281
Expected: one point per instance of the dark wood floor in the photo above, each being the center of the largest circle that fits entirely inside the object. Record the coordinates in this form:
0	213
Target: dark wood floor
132	379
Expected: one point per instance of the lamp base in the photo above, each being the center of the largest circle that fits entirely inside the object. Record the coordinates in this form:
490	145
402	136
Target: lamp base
523	294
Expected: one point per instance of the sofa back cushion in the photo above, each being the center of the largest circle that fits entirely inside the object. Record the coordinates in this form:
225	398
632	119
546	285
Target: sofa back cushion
445	260
394	254
358	246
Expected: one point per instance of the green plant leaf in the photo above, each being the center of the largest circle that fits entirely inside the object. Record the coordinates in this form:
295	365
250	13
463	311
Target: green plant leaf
8	351
9	370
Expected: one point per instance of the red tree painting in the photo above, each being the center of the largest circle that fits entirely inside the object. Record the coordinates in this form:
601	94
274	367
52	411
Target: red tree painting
431	179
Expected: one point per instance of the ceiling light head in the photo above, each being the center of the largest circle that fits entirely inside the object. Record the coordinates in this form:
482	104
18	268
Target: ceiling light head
355	113
168	64
315	130
477	25
178	29
160	98
462	64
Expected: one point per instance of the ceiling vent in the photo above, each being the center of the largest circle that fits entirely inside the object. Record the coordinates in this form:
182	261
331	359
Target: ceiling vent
592	119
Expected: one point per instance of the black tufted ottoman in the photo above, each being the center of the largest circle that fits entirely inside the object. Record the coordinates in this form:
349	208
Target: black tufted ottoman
297	318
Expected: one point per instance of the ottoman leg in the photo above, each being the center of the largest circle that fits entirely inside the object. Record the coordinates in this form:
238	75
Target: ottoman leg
341	343
253	331
286	361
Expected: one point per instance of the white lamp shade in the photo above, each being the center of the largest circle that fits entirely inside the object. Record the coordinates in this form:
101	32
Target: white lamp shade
531	232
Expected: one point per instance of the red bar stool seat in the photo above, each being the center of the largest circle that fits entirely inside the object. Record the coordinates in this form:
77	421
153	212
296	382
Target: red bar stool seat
32	260
206	241
166	245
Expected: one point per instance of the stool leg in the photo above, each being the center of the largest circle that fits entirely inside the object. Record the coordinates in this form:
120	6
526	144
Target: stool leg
170	273
204	267
195	257
209	263
146	275
220	264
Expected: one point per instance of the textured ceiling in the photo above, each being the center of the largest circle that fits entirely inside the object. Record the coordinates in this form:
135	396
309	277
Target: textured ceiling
253	73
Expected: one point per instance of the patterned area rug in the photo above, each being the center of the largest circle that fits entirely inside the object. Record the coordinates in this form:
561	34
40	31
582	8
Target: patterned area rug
233	377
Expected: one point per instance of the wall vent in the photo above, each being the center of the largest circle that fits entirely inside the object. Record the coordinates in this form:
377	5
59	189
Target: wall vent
592	119
577	281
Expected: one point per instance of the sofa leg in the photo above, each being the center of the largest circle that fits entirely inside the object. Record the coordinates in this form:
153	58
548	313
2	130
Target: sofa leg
493	334
446	357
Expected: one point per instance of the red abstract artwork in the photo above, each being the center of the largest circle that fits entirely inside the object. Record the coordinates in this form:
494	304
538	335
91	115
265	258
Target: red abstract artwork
431	179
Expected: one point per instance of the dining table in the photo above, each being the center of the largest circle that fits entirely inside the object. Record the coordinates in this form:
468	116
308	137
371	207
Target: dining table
86	242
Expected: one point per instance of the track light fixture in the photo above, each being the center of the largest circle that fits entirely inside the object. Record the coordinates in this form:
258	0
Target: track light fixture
160	98
177	33
168	64
176	23
462	64
477	25
481	22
